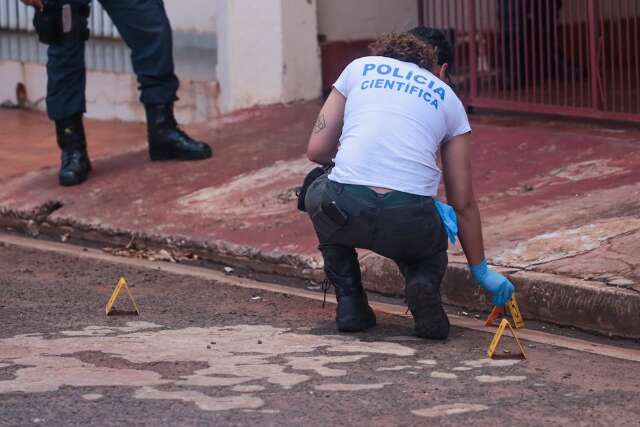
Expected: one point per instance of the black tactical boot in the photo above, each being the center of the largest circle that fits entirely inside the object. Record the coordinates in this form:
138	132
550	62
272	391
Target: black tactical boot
429	316
167	141
342	268
75	164
353	313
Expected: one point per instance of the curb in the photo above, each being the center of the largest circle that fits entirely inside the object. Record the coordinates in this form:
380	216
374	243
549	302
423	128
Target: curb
214	251
586	305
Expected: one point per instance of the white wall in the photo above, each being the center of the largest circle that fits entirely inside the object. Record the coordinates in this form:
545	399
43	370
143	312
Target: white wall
192	15
242	46
362	19
268	52
301	66
33	76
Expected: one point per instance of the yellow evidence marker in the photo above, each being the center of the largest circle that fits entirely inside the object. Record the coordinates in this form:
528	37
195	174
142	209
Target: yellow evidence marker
491	353
512	305
518	321
122	283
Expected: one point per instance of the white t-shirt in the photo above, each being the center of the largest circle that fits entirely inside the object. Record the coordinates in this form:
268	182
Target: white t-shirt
396	116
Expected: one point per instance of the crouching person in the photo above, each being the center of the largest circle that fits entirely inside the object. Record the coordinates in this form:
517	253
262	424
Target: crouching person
383	124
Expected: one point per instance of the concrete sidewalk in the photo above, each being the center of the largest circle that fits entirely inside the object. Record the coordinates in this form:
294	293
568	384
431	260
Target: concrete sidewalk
560	204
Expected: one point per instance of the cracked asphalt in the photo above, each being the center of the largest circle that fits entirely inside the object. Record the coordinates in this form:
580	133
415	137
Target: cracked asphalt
205	353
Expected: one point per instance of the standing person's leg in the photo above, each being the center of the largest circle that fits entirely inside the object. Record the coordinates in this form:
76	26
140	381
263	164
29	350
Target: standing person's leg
145	28
337	245
66	83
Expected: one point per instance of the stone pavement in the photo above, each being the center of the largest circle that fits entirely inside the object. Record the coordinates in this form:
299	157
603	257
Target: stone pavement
560	203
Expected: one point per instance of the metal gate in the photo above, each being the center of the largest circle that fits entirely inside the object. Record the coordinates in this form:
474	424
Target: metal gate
569	57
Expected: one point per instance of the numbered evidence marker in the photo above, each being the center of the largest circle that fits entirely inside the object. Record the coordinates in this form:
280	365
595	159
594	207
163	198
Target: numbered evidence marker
512	305
496	340
122	283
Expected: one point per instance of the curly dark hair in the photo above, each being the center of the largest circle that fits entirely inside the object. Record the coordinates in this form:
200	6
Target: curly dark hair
437	39
406	47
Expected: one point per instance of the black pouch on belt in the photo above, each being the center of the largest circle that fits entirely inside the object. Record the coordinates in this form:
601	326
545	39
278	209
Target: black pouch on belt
48	22
56	21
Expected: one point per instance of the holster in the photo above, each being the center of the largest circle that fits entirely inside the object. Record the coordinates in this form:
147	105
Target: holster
53	23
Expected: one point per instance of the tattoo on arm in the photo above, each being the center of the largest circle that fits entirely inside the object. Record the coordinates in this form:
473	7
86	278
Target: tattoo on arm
320	124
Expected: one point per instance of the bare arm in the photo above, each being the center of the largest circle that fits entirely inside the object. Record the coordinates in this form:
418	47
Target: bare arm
323	143
456	160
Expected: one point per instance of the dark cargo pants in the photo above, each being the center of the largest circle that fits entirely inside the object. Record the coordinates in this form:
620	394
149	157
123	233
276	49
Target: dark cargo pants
145	28
403	227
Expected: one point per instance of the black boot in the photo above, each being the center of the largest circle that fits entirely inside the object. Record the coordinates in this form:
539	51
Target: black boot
342	268
430	319
167	141
75	163
353	313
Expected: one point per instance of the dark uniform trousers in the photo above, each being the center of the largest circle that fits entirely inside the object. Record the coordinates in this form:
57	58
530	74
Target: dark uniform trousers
145	28
403	227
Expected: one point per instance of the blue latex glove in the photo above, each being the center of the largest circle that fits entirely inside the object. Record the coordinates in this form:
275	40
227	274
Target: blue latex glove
449	220
495	283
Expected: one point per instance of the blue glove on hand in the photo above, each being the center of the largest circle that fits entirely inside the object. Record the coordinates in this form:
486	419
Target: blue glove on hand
495	283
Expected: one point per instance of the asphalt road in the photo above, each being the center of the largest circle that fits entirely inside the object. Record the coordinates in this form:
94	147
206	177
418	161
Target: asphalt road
206	353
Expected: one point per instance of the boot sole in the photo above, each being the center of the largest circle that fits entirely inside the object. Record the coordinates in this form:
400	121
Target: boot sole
160	156
359	326
72	182
357	323
430	319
